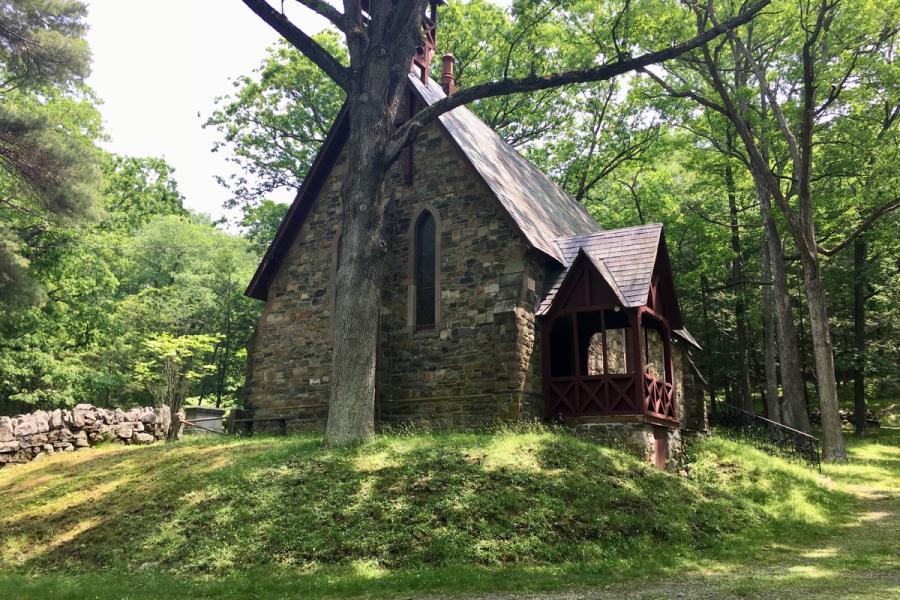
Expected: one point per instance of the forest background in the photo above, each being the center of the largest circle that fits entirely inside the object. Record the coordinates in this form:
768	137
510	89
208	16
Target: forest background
114	294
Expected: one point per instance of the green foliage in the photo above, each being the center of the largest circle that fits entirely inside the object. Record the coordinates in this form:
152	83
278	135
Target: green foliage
511	510
48	127
48	181
261	222
171	363
42	43
148	271
137	189
273	124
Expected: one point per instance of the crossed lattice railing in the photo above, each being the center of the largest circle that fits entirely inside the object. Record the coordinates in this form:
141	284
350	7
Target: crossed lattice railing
593	395
659	397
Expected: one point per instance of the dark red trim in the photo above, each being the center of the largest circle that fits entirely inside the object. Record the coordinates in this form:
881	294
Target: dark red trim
300	208
663	268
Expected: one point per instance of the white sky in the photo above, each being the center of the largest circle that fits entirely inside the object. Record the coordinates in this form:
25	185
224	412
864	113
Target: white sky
157	64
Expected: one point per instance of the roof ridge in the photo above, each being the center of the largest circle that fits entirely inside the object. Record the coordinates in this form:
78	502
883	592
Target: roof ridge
537	206
644	226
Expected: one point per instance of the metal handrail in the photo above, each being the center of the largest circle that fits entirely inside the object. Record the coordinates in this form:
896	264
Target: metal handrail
768	435
776	423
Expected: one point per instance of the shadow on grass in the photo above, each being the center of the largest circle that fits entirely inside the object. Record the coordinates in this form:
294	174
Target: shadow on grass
421	513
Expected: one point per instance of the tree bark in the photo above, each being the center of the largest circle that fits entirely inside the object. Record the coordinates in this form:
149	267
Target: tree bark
860	251
351	411
745	400
708	359
832	437
773	404
376	94
793	406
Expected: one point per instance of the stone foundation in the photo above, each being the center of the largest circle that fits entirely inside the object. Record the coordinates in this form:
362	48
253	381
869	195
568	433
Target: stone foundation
26	437
637	438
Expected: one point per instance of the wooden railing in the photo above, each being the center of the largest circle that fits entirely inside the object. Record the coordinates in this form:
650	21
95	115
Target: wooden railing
659	397
599	395
593	395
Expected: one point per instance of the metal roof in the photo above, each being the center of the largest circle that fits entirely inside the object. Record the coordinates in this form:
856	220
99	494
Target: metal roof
628	255
539	208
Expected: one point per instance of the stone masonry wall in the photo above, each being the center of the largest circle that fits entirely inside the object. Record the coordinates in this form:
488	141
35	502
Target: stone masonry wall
289	357
529	344
26	437
636	438
691	393
472	368
480	365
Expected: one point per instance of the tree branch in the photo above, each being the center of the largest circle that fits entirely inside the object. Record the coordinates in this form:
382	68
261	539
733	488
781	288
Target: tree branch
301	41
765	88
866	224
406	133
685	94
323	9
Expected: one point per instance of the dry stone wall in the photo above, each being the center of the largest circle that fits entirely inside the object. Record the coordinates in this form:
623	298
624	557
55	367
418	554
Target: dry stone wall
25	437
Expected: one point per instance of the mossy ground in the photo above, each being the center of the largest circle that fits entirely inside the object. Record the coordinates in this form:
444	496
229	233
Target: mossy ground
528	510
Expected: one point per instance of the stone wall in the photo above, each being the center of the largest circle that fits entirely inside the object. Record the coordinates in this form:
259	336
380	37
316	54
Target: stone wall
289	356
472	368
481	363
691	391
637	438
25	437
615	352
655	353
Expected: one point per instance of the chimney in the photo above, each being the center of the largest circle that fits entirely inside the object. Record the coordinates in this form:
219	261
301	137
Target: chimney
447	81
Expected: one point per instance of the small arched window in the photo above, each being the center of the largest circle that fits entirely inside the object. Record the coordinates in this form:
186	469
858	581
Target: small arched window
425	269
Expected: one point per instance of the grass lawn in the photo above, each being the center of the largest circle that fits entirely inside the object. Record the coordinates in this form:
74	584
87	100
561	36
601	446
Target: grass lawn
533	511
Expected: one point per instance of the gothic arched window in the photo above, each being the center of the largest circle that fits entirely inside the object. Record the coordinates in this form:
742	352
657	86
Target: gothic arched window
425	270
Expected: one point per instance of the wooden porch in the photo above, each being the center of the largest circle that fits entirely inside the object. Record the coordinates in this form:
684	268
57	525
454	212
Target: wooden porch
591	377
607	354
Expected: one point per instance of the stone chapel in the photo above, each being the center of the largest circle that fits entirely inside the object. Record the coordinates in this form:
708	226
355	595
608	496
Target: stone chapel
503	299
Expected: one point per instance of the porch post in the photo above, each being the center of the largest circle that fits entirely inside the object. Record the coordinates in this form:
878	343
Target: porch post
639	362
605	379
577	358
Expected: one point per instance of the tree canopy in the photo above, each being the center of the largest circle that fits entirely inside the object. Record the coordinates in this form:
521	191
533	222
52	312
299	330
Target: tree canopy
744	145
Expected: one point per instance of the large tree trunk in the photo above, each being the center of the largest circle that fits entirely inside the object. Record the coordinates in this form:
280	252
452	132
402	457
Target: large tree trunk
773	406
793	409
351	411
707	329
745	400
375	99
805	237
823	355
860	250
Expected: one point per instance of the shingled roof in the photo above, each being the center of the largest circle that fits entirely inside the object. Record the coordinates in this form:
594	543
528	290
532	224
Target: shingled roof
627	256
538	208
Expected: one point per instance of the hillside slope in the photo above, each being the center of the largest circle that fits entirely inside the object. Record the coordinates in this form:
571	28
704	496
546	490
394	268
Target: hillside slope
521	504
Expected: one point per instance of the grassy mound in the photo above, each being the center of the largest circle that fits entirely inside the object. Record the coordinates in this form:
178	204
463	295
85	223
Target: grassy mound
413	511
